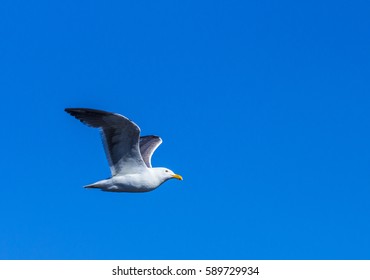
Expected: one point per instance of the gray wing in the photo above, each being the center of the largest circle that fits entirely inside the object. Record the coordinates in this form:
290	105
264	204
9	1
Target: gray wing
120	137
148	144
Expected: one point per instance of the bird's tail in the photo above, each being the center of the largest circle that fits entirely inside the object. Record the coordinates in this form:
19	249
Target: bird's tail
93	186
97	185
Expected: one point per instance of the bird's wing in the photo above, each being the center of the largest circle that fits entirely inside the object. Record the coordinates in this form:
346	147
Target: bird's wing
120	138
148	144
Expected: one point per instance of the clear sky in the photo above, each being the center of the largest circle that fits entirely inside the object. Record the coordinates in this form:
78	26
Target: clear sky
263	108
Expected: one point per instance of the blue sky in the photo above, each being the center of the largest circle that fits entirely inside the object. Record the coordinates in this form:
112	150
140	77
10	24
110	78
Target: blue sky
263	107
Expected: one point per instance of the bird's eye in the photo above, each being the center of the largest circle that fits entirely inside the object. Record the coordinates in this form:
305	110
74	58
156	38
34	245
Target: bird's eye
166	170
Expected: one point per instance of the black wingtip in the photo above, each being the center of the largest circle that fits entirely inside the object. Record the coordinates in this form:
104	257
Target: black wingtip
152	136
80	110
90	117
86	111
74	110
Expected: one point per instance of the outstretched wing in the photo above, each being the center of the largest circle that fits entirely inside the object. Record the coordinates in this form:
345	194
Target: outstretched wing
120	138
148	144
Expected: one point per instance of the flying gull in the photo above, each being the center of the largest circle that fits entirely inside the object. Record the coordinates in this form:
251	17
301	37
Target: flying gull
129	155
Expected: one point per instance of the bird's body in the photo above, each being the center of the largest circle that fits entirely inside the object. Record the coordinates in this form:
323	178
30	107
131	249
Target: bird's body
139	182
129	155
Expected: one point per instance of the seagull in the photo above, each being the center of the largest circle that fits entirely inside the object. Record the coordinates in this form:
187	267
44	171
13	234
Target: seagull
129	155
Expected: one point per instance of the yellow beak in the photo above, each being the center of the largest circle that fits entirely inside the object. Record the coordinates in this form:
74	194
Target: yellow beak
179	177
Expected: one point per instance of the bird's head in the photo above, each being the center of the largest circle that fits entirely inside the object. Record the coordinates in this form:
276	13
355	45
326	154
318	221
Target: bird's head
167	174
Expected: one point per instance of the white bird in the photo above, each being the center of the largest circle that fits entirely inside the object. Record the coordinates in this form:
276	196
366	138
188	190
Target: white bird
129	155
